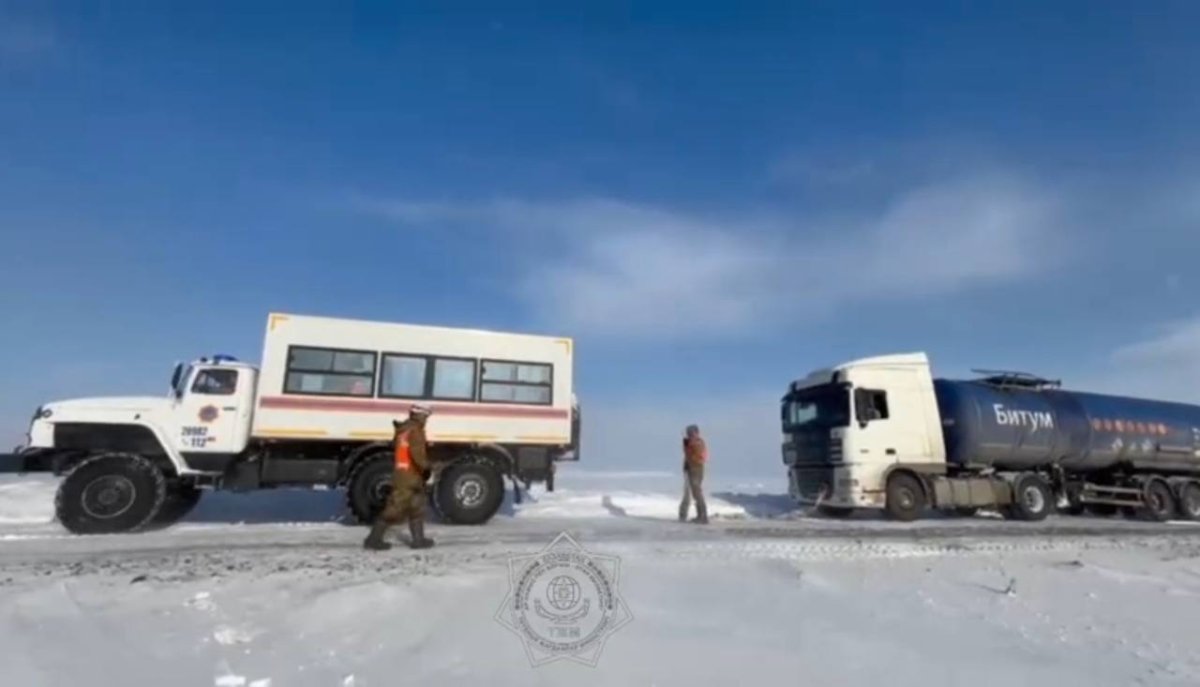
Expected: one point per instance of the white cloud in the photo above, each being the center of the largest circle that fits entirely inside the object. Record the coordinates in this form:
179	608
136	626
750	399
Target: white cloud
1165	366
640	271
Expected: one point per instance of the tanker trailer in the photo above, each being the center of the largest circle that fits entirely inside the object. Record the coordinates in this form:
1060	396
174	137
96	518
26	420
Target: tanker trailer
882	433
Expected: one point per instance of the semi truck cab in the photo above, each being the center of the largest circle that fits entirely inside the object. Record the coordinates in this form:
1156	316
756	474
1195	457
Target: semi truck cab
846	428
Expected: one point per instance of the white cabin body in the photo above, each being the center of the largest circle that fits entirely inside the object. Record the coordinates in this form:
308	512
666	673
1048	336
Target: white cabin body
346	379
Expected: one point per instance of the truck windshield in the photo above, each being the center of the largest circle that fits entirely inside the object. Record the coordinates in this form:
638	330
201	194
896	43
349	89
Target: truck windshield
179	384
818	407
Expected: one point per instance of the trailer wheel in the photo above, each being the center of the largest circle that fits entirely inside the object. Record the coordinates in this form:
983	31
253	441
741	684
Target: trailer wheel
1032	499
110	493
1159	501
905	497
179	501
469	492
368	487
1189	501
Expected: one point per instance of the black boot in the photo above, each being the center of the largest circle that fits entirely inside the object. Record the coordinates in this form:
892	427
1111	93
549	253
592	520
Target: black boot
416	528
701	513
374	540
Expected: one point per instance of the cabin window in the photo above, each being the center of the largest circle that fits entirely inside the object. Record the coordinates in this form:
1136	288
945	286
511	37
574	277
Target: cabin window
331	372
420	376
215	382
870	405
453	379
403	376
504	381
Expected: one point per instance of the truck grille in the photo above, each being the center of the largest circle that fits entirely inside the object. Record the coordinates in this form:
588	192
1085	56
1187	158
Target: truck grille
811	481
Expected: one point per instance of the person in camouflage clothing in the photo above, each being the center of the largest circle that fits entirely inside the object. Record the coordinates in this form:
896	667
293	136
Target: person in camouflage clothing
407	500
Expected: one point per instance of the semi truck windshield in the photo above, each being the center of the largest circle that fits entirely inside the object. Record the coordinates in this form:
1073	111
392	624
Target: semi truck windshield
818	407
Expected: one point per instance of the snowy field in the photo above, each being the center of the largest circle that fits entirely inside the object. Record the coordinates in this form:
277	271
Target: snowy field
271	589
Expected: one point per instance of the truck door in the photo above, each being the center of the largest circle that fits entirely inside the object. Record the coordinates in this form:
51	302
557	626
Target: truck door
214	415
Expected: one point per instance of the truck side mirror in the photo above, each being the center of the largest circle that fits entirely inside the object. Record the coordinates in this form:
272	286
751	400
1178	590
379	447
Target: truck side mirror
175	379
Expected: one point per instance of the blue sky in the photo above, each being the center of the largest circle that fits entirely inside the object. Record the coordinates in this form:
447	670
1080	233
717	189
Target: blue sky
711	200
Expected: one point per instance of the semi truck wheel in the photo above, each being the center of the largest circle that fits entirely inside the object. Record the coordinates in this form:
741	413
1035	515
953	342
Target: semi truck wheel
368	487
110	493
905	497
1189	501
469	493
1160	502
179	501
1032	499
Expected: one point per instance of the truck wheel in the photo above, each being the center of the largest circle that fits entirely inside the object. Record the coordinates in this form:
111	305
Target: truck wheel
469	493
179	501
905	497
1032	499
110	493
1159	501
368	487
1189	501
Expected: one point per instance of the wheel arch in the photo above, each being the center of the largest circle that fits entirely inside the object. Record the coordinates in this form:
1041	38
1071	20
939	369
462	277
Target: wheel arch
359	454
75	442
917	472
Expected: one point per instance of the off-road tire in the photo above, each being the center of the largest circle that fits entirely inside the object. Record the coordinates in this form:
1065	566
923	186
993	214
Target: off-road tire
110	493
905	497
368	487
180	500
1189	501
1032	499
1159	501
469	492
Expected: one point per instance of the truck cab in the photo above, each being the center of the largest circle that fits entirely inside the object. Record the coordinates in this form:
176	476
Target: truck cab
206	414
847	428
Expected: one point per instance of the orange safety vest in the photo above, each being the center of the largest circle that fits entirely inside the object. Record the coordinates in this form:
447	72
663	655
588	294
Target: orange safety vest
403	452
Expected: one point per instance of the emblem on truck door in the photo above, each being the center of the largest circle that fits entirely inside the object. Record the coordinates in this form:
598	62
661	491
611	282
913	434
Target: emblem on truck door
209	413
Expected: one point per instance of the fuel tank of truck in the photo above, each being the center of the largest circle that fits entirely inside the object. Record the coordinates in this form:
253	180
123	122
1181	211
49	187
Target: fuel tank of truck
1012	427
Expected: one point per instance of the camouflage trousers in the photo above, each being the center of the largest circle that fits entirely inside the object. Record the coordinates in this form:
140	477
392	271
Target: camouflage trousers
407	500
693	488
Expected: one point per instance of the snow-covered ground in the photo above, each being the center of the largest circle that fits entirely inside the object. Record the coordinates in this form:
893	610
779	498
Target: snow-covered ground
270	589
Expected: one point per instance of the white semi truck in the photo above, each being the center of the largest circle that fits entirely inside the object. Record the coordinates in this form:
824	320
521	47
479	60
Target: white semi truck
882	433
318	413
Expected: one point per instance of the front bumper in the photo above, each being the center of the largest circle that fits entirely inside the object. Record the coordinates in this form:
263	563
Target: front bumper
829	485
27	460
